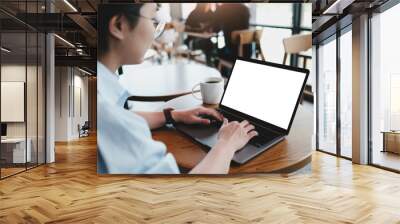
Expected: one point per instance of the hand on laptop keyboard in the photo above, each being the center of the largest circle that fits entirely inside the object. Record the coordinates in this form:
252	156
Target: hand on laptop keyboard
212	119
198	115
236	135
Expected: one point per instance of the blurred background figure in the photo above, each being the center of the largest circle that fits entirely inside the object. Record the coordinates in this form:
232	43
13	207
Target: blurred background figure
215	34
200	20
165	43
230	17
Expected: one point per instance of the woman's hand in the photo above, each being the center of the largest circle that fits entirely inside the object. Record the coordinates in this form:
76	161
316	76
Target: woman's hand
191	116
231	137
235	135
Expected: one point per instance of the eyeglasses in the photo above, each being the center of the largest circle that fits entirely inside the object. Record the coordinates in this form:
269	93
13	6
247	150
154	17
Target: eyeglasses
159	26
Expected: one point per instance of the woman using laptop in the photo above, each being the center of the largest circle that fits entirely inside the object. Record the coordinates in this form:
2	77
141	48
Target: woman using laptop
125	144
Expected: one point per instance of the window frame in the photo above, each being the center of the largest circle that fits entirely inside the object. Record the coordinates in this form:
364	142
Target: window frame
336	36
378	10
296	27
27	29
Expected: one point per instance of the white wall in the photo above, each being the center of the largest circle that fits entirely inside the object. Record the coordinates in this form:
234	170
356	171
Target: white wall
79	117
69	82
62	81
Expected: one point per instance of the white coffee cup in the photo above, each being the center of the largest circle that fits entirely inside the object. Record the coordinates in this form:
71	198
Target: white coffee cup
211	90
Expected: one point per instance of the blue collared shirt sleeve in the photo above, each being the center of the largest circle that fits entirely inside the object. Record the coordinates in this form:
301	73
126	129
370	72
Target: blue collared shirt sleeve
125	144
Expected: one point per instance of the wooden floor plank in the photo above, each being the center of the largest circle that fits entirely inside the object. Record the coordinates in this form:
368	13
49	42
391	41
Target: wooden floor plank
69	191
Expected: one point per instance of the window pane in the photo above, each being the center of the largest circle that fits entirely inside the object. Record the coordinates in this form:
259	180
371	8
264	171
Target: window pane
395	102
31	100
187	8
327	97
385	88
13	87
274	14
308	53
22	90
306	15
272	45
346	94
41	98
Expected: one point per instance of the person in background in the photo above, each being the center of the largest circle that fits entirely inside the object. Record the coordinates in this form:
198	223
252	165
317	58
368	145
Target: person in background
164	44
125	143
200	20
228	18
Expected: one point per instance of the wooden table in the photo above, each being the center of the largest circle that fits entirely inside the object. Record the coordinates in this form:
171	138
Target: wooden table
15	152
391	141
162	82
287	156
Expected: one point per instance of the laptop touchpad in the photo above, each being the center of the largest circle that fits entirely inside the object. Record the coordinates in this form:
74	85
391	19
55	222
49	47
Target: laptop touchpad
205	134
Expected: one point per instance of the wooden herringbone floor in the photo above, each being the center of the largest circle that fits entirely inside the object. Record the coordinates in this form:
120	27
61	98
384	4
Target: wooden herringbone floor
69	191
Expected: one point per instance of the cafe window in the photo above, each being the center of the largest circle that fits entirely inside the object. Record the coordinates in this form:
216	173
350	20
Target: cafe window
187	8
334	93
326	105
385	89
306	21
280	21
346	93
274	14
272	44
276	22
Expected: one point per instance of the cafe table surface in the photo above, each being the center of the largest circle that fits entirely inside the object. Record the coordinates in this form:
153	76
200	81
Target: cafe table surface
151	81
290	155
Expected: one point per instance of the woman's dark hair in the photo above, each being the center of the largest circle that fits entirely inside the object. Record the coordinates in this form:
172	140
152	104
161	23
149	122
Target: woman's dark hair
130	11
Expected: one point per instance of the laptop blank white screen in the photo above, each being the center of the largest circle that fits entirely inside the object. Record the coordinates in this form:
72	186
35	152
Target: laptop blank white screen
264	92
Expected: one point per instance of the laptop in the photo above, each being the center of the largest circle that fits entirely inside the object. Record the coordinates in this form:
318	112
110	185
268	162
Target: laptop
264	93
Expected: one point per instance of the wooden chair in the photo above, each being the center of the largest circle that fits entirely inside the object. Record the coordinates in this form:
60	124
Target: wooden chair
241	38
296	44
